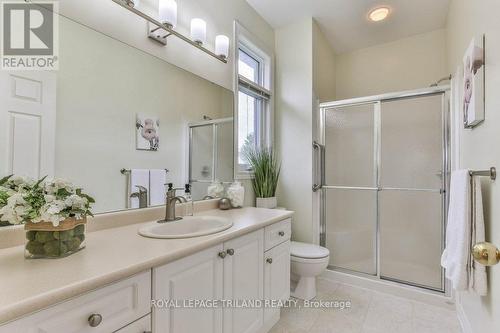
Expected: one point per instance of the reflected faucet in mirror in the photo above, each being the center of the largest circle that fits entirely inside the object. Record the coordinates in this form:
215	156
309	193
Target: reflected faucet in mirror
142	195
171	200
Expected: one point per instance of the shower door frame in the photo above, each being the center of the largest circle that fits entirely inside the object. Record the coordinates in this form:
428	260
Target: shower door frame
214	123
319	169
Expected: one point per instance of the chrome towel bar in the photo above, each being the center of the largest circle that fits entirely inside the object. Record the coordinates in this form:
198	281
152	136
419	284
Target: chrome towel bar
492	173
127	171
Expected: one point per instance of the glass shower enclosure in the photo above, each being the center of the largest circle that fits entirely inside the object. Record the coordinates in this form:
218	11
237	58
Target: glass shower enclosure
382	173
210	154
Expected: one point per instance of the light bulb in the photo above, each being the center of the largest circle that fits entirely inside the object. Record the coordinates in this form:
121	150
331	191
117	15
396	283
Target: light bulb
222	46
168	12
198	30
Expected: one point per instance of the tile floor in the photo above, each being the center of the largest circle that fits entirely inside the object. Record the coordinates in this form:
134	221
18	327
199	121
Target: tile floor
370	312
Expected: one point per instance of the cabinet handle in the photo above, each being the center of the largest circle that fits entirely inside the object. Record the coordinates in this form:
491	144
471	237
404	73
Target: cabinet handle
230	252
269	260
281	233
222	254
94	319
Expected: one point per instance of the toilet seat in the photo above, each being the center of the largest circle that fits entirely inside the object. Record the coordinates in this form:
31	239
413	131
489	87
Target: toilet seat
301	252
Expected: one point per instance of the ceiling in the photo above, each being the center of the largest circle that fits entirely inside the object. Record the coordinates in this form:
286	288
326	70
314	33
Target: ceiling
345	23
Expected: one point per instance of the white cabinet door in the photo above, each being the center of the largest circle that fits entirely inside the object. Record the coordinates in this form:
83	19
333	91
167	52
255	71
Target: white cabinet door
277	278
142	325
27	123
197	277
244	280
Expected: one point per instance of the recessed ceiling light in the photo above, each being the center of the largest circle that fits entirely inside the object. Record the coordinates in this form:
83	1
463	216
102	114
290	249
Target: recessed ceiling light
379	14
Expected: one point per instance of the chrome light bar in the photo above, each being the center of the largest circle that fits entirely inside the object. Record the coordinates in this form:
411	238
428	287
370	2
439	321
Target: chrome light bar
154	34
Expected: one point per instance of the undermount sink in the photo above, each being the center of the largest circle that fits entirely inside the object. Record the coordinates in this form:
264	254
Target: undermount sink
189	226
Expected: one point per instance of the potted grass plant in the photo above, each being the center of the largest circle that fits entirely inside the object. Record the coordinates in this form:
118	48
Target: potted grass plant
266	172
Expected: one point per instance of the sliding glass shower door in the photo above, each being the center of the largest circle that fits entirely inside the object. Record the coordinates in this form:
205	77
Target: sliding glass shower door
383	198
350	192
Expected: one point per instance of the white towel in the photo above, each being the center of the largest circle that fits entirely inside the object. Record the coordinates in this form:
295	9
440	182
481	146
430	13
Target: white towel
138	177
456	256
464	229
158	178
477	279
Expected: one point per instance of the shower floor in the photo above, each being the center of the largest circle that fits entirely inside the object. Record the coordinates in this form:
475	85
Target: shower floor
371	312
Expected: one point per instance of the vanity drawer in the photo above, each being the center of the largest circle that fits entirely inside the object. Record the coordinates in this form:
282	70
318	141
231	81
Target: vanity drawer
142	325
117	304
277	233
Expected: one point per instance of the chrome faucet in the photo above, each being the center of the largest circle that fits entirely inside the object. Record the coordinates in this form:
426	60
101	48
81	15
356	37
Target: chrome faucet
171	200
142	195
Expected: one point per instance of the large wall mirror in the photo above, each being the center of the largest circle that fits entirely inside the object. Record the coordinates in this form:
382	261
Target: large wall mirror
115	121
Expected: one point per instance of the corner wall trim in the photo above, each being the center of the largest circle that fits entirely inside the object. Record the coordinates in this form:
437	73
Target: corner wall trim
462	316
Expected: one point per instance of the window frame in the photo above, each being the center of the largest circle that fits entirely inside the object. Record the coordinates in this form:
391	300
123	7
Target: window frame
263	91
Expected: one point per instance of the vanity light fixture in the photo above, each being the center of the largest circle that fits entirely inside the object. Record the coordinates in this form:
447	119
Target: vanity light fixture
164	27
198	31
168	12
379	14
222	46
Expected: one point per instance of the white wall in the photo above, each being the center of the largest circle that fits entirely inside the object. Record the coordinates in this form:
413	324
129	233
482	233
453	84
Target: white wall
102	84
479	147
109	18
324	81
409	63
294	123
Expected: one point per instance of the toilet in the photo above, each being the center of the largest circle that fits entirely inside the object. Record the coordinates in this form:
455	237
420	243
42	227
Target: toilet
307	262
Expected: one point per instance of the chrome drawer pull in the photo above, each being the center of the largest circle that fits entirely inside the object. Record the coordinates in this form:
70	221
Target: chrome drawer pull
94	320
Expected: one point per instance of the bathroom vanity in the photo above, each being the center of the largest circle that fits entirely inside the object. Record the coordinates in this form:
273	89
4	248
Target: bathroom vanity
123	282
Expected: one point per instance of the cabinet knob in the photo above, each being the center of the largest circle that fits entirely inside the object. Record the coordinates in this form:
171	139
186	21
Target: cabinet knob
94	320
269	260
230	252
222	254
281	233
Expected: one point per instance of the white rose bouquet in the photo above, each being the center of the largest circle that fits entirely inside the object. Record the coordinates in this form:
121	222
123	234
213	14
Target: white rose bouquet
24	200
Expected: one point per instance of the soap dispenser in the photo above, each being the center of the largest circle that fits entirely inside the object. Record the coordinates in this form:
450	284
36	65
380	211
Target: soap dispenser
189	211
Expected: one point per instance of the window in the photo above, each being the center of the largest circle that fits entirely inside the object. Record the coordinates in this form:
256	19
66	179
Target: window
254	102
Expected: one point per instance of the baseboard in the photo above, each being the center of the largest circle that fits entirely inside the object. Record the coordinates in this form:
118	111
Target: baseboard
396	289
462	317
270	322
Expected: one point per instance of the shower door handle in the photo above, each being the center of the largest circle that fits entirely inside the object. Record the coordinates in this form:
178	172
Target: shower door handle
320	160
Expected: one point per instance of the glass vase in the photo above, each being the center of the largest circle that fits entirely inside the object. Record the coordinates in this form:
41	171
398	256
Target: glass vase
44	240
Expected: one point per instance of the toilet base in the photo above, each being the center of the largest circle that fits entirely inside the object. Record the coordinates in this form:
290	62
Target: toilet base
305	288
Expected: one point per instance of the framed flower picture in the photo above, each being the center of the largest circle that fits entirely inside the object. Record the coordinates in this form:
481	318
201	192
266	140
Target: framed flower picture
473	83
147	133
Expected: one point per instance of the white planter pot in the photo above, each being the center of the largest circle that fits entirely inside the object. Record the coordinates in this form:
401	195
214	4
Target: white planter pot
267	203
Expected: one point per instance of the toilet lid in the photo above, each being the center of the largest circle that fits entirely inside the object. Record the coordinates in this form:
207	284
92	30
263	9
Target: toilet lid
308	251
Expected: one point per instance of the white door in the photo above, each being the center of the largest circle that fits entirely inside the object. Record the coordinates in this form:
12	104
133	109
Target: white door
276	278
198	277
244	280
27	123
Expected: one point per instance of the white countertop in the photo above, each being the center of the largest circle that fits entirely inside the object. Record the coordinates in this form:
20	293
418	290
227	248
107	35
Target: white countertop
110	255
